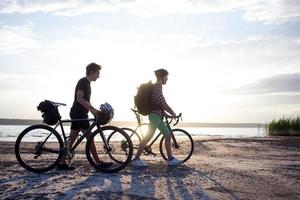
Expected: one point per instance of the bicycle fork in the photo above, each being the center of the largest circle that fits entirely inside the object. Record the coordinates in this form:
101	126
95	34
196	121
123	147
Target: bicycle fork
106	147
173	137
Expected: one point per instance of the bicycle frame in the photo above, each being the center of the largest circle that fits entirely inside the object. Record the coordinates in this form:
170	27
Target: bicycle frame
140	124
85	133
53	146
171	132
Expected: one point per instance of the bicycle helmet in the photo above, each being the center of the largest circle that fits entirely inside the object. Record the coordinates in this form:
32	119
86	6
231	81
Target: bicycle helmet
161	72
106	113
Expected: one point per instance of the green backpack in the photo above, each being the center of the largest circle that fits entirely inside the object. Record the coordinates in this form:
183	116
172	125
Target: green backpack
143	99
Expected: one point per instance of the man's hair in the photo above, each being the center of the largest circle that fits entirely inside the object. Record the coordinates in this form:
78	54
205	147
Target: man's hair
92	68
160	73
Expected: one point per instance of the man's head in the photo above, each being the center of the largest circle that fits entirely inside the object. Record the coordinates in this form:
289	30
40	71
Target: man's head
93	71
161	75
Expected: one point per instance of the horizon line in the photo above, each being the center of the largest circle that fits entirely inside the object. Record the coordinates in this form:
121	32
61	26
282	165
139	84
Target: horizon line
11	121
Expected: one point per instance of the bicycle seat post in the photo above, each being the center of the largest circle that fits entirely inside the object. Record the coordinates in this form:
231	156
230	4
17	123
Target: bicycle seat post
137	115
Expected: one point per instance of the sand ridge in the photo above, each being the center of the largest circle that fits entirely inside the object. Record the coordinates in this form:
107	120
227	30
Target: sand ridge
220	168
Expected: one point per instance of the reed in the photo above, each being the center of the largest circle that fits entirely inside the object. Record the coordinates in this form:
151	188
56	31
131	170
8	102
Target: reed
285	126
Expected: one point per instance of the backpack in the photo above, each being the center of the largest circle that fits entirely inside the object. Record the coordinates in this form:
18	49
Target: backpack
143	99
49	112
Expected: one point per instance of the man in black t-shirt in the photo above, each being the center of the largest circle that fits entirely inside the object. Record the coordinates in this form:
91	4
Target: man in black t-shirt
80	108
78	111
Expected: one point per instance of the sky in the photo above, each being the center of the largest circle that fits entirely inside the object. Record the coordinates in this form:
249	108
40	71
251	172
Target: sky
233	61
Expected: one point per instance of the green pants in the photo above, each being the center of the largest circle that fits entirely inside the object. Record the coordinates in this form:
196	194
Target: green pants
157	122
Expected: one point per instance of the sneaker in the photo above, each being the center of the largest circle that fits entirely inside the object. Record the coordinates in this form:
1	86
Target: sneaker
139	163
174	161
104	164
64	167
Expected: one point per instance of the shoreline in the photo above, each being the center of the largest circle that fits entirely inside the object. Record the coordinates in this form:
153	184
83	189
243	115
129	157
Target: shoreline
7	121
220	168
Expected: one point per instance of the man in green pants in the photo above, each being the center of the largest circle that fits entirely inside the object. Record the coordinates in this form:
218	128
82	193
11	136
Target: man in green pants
156	120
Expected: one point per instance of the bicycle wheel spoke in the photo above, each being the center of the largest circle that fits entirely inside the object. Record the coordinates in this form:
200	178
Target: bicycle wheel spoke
118	153
38	149
135	138
182	147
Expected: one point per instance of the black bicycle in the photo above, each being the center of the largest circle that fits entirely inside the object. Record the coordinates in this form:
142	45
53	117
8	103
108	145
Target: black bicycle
182	143
40	147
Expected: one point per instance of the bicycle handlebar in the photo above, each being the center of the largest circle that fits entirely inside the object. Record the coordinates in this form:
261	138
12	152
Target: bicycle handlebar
167	117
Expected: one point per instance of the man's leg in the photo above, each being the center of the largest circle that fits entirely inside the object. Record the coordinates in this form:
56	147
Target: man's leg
72	137
145	140
168	145
153	123
166	132
164	129
93	149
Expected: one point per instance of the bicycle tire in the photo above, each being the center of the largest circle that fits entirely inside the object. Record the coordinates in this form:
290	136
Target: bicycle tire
185	142
32	155
116	154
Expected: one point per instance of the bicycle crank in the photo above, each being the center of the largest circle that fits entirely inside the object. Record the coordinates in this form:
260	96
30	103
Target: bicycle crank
148	151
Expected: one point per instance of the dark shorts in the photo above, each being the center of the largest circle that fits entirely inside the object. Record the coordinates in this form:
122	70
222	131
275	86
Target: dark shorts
80	124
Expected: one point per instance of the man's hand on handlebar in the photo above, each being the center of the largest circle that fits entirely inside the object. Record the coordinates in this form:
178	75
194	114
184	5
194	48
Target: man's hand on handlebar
94	111
174	116
167	115
169	118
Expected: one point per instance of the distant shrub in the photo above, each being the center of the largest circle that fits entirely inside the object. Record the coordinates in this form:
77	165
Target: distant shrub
285	126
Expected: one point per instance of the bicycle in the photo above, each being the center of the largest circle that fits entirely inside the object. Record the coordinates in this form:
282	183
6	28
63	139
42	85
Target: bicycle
182	143
40	147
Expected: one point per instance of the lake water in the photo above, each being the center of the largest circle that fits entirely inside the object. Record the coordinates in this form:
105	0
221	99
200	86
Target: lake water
11	132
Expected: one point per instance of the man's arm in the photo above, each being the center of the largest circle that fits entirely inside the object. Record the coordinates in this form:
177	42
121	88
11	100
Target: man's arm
158	95
84	103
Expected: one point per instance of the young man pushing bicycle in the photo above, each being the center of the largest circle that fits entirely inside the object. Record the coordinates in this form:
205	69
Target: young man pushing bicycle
156	120
80	108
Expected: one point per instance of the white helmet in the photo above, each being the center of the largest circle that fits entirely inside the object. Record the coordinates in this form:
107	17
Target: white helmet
108	109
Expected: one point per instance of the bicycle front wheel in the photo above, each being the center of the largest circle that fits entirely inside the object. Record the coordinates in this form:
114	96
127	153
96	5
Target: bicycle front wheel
38	148
118	153
182	147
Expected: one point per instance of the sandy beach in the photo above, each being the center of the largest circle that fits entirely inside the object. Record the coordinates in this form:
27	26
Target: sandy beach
220	168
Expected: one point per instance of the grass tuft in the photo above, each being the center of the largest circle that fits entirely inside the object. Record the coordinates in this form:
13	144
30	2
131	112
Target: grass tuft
285	126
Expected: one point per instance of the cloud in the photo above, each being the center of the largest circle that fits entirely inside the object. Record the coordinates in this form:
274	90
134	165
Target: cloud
12	81
27	6
273	11
270	12
280	84
231	59
57	7
14	39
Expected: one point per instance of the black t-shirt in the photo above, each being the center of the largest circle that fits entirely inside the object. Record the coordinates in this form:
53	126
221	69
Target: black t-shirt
83	85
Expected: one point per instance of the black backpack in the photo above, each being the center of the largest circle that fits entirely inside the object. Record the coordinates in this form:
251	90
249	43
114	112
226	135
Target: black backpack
143	99
49	112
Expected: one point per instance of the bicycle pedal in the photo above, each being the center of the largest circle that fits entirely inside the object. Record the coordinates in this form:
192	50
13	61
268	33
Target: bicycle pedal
153	154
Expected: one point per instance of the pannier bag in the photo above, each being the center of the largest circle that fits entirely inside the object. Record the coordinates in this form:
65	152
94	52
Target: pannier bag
49	112
143	99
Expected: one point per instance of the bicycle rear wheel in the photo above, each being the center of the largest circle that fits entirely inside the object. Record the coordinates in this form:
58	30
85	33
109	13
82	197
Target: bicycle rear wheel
134	136
119	152
184	148
38	148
